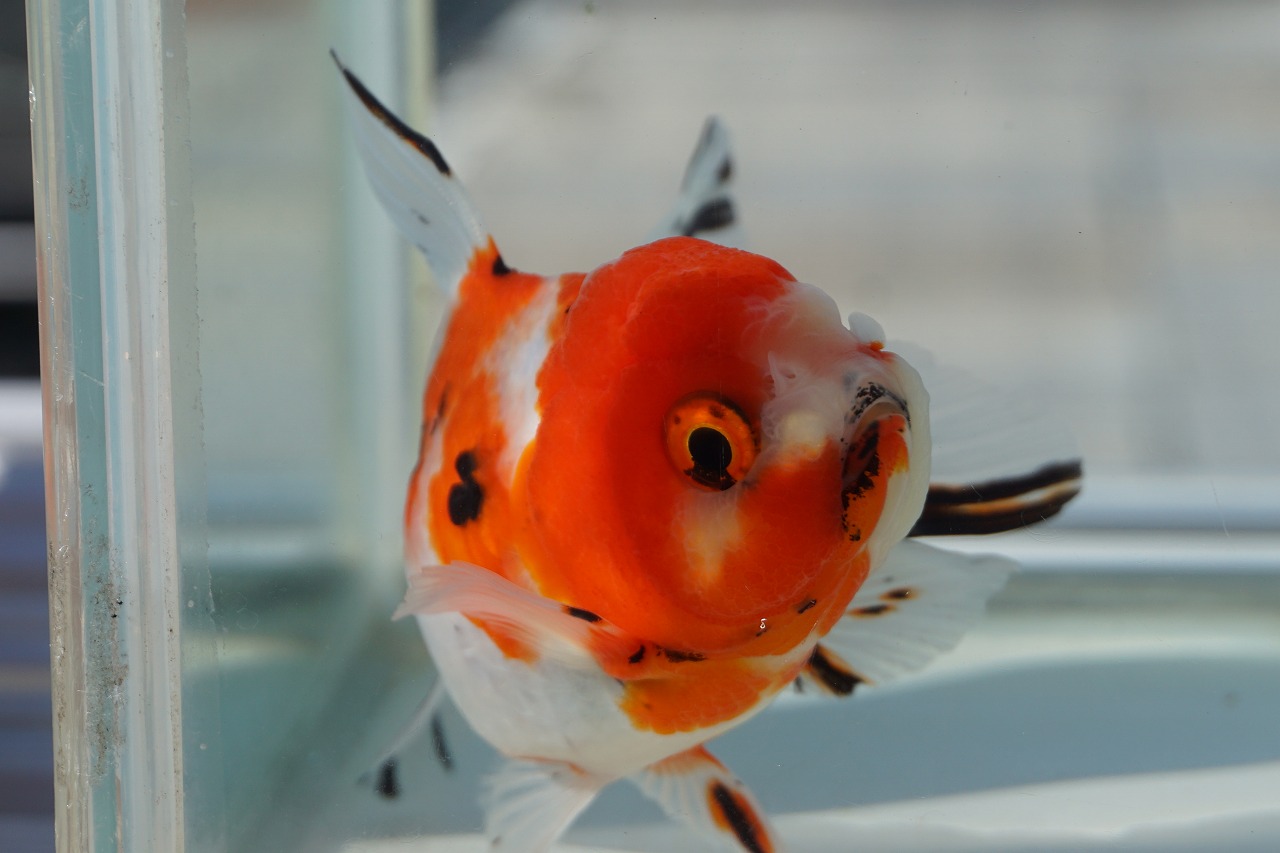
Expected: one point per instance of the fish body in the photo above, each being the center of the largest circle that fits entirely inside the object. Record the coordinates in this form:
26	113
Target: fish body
651	496
553	411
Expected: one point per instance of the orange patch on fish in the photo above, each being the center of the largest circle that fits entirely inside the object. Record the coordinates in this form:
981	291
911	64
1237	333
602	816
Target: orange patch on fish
710	692
512	646
468	507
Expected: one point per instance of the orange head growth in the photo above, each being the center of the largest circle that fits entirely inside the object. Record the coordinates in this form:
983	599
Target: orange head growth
716	452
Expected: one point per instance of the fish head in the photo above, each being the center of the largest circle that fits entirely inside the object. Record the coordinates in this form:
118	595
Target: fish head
720	459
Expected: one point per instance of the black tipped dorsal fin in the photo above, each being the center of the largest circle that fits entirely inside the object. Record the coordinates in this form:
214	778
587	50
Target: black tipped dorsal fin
705	207
415	185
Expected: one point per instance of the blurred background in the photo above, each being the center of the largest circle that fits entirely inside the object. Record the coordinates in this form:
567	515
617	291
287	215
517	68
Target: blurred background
1077	201
26	745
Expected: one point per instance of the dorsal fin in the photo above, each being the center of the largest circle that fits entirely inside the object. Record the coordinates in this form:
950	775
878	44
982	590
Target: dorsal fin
705	207
415	185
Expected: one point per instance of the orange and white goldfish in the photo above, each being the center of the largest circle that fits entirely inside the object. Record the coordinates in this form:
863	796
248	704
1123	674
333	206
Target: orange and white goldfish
652	496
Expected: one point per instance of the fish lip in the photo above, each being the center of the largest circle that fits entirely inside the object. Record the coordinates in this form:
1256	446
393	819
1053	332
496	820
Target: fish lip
872	401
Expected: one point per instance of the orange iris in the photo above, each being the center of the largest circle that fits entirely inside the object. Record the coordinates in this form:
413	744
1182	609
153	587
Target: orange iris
710	440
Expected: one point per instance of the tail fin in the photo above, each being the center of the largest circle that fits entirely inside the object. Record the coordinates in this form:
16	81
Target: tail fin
416	187
705	207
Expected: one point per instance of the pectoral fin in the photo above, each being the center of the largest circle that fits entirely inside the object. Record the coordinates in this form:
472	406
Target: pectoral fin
912	608
567	634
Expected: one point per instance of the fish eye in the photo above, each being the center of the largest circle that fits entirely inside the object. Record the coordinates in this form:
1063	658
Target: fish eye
710	440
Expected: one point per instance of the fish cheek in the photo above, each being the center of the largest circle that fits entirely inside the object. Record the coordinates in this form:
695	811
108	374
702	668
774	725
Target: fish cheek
604	499
792	521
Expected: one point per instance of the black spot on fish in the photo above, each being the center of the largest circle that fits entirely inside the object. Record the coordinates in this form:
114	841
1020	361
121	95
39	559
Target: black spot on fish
810	602
420	216
712	215
833	675
439	745
464	502
676	656
638	656
425	146
725	172
739	816
579	613
500	266
467	496
872	610
465	464
388	784
902	593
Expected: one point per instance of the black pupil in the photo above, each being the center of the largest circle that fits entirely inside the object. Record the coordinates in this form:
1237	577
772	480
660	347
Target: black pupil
711	454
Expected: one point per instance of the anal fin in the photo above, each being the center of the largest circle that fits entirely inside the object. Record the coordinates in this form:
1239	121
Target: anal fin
692	787
528	805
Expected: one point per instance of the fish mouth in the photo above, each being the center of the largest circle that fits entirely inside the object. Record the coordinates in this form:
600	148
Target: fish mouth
876	448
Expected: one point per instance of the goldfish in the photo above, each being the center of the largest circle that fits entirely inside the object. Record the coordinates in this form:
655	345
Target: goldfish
650	497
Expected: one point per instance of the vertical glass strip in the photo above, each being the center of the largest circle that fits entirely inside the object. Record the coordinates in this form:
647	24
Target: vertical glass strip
121	403
82	640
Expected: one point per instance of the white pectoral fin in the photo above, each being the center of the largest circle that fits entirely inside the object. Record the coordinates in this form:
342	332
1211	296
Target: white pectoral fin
1000	461
911	609
415	185
692	787
563	633
528	805
705	207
